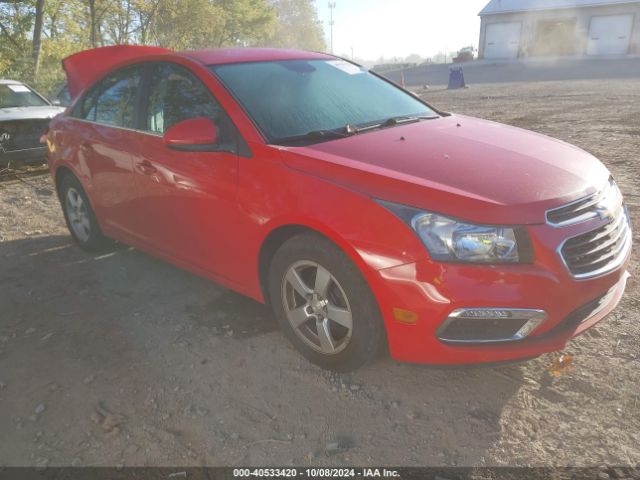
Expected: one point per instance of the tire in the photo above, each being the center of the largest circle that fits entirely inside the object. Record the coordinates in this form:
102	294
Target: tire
330	294
80	217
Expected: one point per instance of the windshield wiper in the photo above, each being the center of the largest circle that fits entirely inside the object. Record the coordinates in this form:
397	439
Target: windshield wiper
390	122
393	121
407	119
318	135
350	129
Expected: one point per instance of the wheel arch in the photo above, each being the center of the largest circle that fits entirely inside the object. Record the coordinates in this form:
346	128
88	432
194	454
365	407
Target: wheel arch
60	173
280	234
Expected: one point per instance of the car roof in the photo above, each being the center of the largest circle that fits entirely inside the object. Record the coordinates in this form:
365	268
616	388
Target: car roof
85	67
219	56
9	82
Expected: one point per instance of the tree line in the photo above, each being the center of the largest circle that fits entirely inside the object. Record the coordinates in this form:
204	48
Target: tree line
35	35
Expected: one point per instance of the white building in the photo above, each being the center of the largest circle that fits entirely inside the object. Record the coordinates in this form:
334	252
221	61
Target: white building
538	28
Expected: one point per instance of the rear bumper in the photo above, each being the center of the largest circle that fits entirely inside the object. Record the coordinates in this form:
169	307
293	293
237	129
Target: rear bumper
29	155
433	291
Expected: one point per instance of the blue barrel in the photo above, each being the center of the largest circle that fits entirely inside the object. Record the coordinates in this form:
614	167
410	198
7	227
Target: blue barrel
456	78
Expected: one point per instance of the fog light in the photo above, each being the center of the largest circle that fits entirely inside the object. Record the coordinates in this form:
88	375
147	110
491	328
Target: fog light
486	325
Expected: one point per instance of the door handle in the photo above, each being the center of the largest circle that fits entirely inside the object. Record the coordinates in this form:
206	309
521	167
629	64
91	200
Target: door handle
146	167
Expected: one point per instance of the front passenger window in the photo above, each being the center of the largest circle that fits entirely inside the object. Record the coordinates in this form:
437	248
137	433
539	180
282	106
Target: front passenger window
176	95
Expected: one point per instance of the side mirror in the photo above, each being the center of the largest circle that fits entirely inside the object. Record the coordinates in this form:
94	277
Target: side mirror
56	102
198	134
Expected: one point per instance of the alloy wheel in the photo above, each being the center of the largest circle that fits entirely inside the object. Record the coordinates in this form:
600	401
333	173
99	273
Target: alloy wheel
317	307
78	215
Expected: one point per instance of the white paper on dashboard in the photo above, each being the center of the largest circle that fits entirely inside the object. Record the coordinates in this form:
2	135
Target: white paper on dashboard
345	66
18	88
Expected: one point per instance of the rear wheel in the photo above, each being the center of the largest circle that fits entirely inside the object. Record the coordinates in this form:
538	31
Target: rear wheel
80	218
323	304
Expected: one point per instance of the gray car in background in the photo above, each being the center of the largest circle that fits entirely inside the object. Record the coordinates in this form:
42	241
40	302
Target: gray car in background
24	117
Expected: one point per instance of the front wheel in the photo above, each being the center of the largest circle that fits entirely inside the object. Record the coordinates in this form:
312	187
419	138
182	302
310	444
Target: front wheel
323	304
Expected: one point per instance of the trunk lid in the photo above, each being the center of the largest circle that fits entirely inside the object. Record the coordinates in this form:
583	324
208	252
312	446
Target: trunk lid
86	67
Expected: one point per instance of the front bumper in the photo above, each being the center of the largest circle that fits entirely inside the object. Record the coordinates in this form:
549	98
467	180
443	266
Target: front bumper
26	156
431	291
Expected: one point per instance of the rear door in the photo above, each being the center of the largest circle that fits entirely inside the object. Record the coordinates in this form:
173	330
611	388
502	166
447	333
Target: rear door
186	203
610	35
102	123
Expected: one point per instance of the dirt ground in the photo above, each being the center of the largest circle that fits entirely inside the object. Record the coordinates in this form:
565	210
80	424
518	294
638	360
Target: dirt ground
124	360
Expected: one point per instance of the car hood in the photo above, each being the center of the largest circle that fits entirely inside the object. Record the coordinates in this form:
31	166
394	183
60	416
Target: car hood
465	167
28	113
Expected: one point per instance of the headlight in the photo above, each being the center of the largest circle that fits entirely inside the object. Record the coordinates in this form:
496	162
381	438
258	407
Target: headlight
448	239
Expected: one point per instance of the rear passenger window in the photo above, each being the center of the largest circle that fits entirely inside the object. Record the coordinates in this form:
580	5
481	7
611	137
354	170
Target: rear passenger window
86	106
113	100
117	101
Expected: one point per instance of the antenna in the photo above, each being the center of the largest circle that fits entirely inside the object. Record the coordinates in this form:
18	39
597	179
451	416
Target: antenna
332	5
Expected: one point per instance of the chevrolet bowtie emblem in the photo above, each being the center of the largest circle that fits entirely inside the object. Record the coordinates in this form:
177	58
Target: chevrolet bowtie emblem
604	213
605	210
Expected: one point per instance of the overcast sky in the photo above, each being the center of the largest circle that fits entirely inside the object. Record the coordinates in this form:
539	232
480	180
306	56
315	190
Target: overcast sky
397	28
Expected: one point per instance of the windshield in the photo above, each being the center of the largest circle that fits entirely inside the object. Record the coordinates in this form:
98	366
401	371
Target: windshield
295	97
17	95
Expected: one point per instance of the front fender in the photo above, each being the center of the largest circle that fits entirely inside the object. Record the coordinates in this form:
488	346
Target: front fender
373	237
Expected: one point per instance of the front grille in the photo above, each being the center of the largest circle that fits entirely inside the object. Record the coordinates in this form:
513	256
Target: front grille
598	251
574	212
21	134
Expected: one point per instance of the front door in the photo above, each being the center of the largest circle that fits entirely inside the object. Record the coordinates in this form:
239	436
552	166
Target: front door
186	200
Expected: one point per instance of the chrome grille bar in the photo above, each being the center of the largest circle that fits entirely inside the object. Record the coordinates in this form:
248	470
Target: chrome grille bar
584	208
573	212
598	251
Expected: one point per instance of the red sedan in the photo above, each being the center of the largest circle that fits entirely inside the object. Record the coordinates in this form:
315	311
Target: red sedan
364	216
